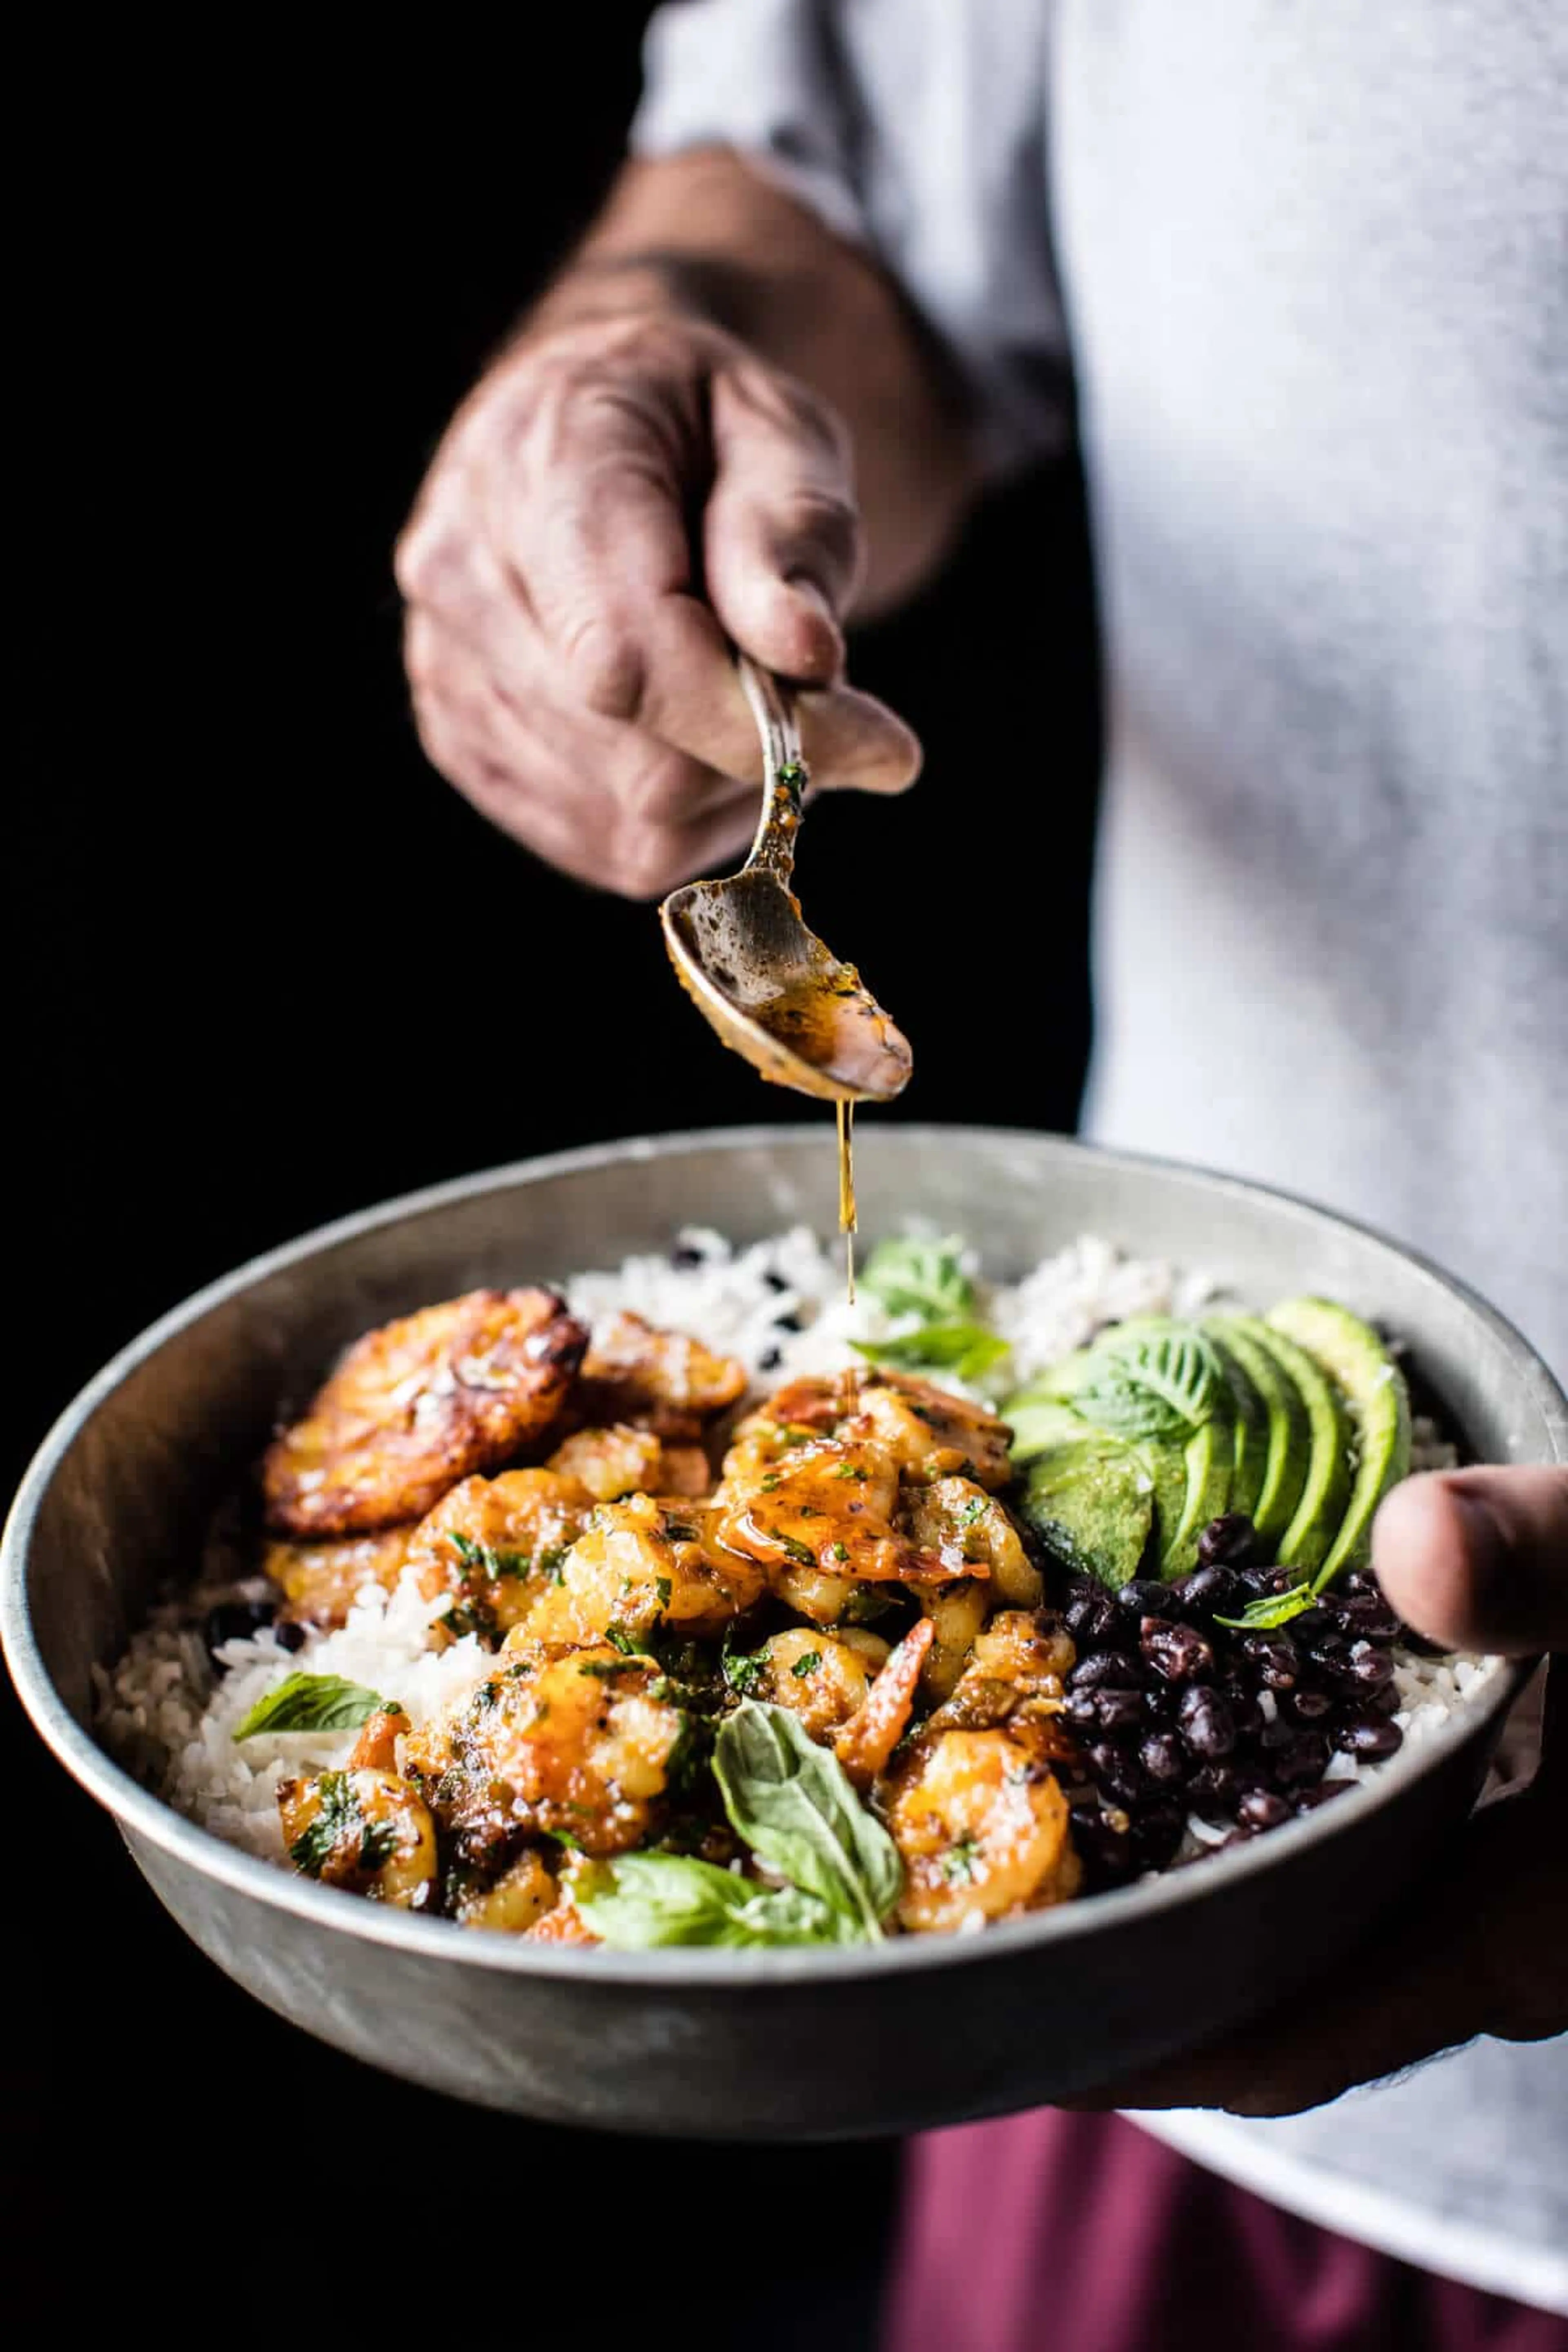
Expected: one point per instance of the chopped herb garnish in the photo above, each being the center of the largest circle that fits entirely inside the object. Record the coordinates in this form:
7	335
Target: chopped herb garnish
772	1481
975	1509
549	1561
680	1531
795	1550
337	1811
469	1617
618	1636
486	1557
605	1668
839	1550
806	1663
959	1867
743	1669
662	1586
851	1470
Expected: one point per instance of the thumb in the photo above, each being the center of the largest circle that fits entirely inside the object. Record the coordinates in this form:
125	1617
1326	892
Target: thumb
1478	1560
781	553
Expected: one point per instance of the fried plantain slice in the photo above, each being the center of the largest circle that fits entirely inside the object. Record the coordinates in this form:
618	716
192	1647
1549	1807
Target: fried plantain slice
419	1404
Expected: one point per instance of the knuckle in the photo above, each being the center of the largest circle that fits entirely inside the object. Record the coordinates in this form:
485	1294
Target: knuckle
430	563
605	666
641	866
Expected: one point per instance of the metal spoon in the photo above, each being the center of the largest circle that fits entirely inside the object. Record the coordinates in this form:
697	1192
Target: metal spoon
770	987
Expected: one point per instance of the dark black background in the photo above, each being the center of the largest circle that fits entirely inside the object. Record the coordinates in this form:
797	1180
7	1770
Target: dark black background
264	967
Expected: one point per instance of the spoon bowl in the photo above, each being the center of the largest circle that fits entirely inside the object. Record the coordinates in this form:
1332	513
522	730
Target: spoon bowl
772	989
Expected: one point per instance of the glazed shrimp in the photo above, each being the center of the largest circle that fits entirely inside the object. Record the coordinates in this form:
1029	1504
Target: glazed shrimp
982	1824
870	1737
368	1831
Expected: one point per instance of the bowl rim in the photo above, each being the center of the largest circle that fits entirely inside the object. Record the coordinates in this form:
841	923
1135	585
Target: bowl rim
143	1815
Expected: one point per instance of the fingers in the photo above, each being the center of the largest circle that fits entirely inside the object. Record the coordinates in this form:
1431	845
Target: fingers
603	803
570	672
1478	1560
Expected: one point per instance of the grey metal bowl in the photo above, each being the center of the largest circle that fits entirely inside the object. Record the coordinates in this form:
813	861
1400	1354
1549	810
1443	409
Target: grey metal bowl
765	2046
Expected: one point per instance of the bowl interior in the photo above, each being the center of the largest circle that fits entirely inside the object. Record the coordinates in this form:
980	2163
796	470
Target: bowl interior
117	1502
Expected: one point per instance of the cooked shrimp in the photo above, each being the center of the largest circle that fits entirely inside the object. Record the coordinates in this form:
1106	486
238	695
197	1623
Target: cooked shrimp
377	1747
870	1737
573	1745
822	1679
322	1582
828	1505
419	1404
1017	1671
369	1831
929	1433
494	1544
665	1379
519	1899
982	1824
967	1528
621	1460
640	1565
957	1611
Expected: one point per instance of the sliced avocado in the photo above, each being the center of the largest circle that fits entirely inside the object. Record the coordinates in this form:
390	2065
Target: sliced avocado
1352	1355
1325	1489
1289	1440
1038	1424
1207	1460
1091	1502
1250	1462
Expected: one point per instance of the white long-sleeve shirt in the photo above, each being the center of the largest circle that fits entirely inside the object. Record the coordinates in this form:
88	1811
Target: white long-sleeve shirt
1306	270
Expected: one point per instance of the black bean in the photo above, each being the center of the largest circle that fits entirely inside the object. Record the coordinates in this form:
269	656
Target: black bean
776	1281
1157	1833
1307	1704
1262	1808
288	1637
1163	1758
1206	1723
1307	1800
1367	1735
1104	1710
1386	1701
1211	1593
1159	1701
1329	1652
1144	1598
770	1360
1117	1776
1228	1541
1091	1615
1368	1666
236	1621
1245	1711
683	1254
1273	1658
1213	1791
1369	1614
1269	1581
790	1322
1107	1853
1178	1652
1106	1669
1304	1759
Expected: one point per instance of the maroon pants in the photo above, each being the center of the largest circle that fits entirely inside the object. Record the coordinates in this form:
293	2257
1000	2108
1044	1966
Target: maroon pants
1052	2232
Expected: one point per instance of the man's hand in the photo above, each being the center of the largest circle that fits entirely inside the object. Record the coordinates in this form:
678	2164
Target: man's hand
1476	1559
659	467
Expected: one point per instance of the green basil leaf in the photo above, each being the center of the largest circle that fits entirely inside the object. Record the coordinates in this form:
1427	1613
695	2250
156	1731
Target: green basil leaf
916	1277
643	1900
966	1349
1152	1385
312	1703
1271	1608
794	1804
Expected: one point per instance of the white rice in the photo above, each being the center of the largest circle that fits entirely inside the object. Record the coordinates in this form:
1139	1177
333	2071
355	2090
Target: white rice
169	1713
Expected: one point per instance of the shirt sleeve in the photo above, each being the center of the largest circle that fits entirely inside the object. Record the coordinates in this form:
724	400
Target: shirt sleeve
915	127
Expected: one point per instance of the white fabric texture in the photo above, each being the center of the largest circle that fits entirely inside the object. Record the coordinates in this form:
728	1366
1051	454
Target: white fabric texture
1310	269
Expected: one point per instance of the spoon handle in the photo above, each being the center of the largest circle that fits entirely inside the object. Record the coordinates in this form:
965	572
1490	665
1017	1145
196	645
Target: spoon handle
783	770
